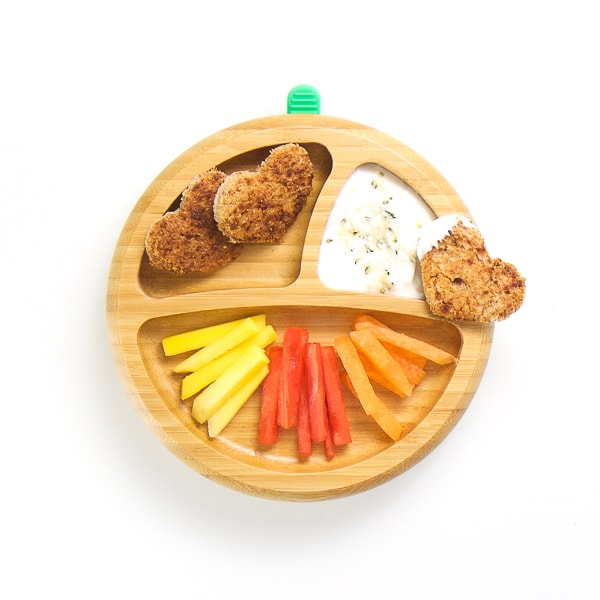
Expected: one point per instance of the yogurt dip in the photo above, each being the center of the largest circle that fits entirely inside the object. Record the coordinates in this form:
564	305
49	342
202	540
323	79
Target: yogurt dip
437	230
370	239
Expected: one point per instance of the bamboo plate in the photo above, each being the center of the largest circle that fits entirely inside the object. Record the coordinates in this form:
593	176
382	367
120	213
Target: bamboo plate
144	305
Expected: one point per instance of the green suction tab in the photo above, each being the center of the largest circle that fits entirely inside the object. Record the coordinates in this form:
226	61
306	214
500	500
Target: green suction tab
304	99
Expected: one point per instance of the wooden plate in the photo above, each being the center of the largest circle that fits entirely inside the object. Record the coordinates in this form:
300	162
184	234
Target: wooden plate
144	305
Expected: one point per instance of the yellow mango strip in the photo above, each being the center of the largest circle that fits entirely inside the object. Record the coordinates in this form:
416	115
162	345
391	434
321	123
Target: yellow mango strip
198	338
194	382
240	333
221	418
211	398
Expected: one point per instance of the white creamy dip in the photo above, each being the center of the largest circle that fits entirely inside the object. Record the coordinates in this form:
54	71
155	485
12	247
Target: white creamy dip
437	230
370	240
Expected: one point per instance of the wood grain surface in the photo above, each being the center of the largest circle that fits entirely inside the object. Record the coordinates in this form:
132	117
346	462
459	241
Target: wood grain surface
145	305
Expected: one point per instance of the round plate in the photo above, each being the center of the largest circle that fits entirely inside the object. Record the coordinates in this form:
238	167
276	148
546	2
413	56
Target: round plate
144	305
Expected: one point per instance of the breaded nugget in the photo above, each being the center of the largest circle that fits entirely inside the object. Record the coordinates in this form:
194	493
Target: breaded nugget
463	283
260	206
252	208
198	197
188	240
290	165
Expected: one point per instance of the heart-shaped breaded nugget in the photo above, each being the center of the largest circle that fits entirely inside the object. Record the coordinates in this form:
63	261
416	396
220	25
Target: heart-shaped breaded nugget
461	281
260	206
187	240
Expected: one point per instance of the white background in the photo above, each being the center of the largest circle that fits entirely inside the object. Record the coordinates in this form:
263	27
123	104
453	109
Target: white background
97	99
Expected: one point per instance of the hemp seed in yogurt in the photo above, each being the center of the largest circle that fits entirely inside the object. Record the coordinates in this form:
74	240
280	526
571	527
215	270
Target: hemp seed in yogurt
370	240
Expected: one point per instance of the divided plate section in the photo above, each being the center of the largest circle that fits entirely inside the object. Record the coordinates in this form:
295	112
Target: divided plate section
238	439
248	270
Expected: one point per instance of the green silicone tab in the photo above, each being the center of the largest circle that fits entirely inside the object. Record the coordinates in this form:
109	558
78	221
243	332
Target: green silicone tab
304	99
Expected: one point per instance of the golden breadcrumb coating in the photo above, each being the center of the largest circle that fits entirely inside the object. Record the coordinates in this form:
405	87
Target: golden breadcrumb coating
188	240
252	208
290	165
463	282
260	206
